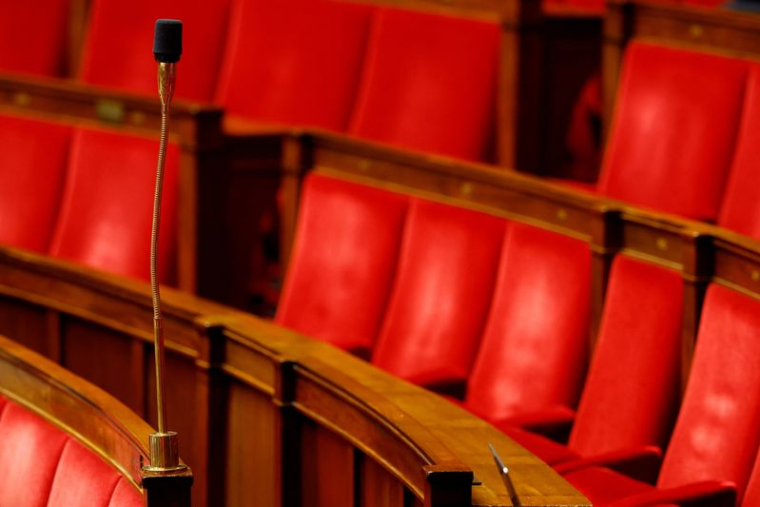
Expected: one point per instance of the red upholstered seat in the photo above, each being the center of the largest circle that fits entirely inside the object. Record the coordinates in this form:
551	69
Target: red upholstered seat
30	450
124	495
534	349
42	466
69	488
294	62
33	36
343	263
718	429
107	206
117	51
441	295
674	130
631	390
740	209
33	158
429	83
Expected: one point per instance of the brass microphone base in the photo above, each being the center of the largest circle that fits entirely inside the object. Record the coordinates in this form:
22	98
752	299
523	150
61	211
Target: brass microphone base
164	453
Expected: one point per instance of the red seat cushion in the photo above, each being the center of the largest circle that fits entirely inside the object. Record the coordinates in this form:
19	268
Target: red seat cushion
674	130
33	157
535	344
82	478
107	207
429	83
343	263
125	495
548	450
740	209
632	388
441	295
718	429
120	37
43	466
603	486
30	449
294	62
43	53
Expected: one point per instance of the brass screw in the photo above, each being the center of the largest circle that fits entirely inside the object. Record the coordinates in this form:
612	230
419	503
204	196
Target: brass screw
662	244
755	275
466	189
137	117
21	99
364	165
696	31
562	214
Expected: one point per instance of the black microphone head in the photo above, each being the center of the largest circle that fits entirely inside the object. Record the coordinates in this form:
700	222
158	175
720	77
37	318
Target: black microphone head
167	42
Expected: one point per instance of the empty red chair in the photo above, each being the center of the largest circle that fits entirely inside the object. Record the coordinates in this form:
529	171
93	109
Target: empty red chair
343	263
632	387
740	209
674	130
33	36
716	437
294	62
534	348
441	294
107	208
119	42
43	466
429	83
33	158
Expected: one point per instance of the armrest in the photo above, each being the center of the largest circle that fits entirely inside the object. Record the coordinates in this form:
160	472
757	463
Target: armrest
640	463
699	494
552	422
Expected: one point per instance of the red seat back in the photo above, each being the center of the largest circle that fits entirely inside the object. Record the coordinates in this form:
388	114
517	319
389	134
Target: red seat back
43	466
674	130
429	83
718	429
107	208
343	263
632	388
534	348
117	50
33	158
740	209
294	62
33	36
441	295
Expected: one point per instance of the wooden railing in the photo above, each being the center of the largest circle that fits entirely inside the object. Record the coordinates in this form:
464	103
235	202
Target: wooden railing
266	416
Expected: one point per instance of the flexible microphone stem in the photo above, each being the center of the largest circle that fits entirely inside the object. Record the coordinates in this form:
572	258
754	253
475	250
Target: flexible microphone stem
164	446
166	76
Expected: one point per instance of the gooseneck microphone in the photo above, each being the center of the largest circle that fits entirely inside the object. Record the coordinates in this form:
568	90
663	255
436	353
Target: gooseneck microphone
167	49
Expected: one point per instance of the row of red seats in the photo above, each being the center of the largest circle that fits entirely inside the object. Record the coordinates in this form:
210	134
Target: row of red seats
681	138
440	296
85	195
419	80
43	466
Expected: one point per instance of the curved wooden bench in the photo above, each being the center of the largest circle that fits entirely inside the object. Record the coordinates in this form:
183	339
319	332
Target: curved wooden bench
75	443
265	415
